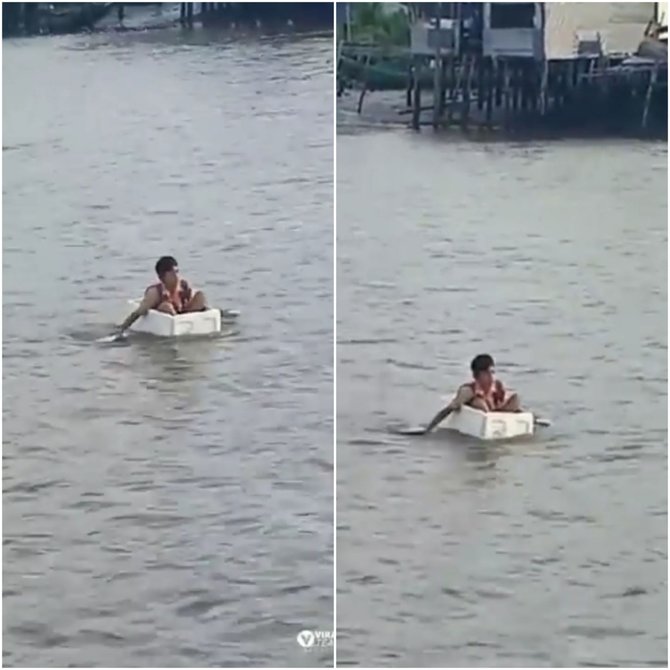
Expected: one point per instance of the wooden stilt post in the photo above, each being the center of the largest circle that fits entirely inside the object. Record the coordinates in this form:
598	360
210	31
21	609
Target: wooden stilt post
479	64
453	87
366	63
565	84
443	95
498	79
647	99
465	110
339	80
543	87
490	85
524	87
437	73
507	94
516	87
437	94
416	110
362	97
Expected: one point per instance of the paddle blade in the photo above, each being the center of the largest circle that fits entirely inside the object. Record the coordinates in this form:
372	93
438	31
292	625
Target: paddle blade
109	339
542	423
414	430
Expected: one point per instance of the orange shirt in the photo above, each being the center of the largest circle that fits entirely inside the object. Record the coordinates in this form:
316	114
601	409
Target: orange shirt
179	298
494	397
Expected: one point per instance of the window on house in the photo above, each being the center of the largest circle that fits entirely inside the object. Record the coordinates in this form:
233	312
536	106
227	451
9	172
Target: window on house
512	14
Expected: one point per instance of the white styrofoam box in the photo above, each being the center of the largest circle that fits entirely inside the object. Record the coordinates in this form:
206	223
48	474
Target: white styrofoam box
165	325
490	425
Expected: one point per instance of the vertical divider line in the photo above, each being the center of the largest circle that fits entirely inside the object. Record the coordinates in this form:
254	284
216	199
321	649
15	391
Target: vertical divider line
334	94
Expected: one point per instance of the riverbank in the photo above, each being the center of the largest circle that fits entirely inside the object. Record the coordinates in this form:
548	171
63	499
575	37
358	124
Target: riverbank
628	99
30	19
26	19
552	75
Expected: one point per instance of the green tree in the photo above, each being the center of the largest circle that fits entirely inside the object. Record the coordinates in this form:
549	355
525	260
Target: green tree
373	24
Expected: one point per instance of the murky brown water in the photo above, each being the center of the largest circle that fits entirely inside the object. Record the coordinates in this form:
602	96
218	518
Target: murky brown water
553	257
167	504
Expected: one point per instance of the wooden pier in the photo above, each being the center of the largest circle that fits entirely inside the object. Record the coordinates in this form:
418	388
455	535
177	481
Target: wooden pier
317	14
515	94
31	18
487	81
36	18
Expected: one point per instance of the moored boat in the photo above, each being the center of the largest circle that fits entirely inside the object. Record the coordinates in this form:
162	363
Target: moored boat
379	70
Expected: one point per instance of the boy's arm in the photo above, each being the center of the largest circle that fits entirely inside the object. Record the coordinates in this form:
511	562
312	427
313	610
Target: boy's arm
463	396
149	301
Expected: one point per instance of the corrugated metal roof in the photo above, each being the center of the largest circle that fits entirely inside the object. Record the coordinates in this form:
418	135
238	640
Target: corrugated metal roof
621	26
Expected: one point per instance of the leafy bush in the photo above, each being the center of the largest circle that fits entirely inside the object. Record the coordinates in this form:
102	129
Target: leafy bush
373	24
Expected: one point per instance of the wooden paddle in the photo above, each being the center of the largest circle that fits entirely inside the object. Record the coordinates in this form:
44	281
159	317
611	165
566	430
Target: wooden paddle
418	430
115	337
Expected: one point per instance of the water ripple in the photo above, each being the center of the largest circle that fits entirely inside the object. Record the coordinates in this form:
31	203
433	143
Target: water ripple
553	257
167	503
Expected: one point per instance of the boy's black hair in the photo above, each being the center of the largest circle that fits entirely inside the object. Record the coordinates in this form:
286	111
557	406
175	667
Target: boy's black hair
165	264
481	363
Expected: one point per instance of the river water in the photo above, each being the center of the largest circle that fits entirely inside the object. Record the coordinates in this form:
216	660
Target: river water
553	258
167	504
